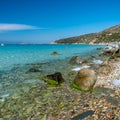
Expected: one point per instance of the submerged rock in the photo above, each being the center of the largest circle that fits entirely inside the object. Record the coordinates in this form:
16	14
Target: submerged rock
85	79
75	60
56	76
54	53
34	70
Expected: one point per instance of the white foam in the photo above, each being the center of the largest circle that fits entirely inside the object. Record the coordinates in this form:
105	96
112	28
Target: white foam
33	81
97	61
79	68
4	95
116	83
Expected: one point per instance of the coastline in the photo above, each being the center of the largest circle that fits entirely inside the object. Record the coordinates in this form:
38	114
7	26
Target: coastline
86	43
106	81
61	103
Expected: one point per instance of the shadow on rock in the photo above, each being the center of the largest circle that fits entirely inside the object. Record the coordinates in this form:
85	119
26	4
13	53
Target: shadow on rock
57	76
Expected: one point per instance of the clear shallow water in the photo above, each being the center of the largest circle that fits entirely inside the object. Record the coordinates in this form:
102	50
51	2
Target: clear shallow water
15	60
11	55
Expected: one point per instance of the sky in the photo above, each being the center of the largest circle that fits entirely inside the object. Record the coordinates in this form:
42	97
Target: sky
43	21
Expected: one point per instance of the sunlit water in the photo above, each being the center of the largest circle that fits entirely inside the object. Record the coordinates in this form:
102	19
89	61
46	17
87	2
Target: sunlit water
11	55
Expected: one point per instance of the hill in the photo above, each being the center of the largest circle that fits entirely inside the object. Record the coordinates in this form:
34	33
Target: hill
111	34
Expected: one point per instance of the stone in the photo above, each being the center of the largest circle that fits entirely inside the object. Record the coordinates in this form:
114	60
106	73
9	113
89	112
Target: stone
85	79
57	76
83	115
100	48
95	67
34	70
86	63
104	69
54	53
75	60
105	62
112	47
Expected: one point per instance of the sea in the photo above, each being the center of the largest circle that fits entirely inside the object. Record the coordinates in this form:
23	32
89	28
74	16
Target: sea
17	60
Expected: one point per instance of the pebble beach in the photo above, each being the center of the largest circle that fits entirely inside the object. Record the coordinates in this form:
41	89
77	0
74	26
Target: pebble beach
47	102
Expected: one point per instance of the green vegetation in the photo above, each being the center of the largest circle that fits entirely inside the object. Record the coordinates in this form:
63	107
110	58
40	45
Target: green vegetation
109	35
78	39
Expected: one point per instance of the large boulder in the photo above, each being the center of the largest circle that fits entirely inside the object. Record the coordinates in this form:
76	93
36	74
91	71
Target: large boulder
85	79
112	48
75	60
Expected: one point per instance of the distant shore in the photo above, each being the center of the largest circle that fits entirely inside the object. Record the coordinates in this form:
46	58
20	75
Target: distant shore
82	43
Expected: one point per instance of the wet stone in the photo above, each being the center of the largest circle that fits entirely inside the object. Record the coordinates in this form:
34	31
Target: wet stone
83	115
57	76
34	70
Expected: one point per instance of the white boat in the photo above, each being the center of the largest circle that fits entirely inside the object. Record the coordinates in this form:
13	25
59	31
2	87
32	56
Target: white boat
2	44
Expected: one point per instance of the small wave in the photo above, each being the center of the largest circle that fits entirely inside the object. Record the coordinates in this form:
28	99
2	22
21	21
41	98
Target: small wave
116	83
79	68
4	96
97	61
33	81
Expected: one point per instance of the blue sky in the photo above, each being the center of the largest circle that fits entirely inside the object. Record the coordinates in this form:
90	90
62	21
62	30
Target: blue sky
43	21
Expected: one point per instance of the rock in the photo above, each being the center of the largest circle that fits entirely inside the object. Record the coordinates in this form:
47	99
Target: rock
85	79
83	115
113	47
34	70
75	60
105	62
56	76
86	63
105	69
100	48
95	66
54	53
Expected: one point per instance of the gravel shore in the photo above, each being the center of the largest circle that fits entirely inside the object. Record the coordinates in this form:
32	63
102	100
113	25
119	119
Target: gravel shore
44	102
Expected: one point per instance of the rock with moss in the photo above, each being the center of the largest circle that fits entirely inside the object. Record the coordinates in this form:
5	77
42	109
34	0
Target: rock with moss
57	76
85	79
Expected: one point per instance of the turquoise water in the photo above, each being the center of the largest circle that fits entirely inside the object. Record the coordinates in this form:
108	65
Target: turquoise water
16	60
11	55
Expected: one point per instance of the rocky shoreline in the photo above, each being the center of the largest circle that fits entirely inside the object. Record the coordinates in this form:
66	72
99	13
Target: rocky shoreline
47	102
106	81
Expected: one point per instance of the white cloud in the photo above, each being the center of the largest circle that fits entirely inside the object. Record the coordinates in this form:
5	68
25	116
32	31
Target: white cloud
10	27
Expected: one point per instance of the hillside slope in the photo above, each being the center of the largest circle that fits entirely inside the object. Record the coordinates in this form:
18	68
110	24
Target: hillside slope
111	34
